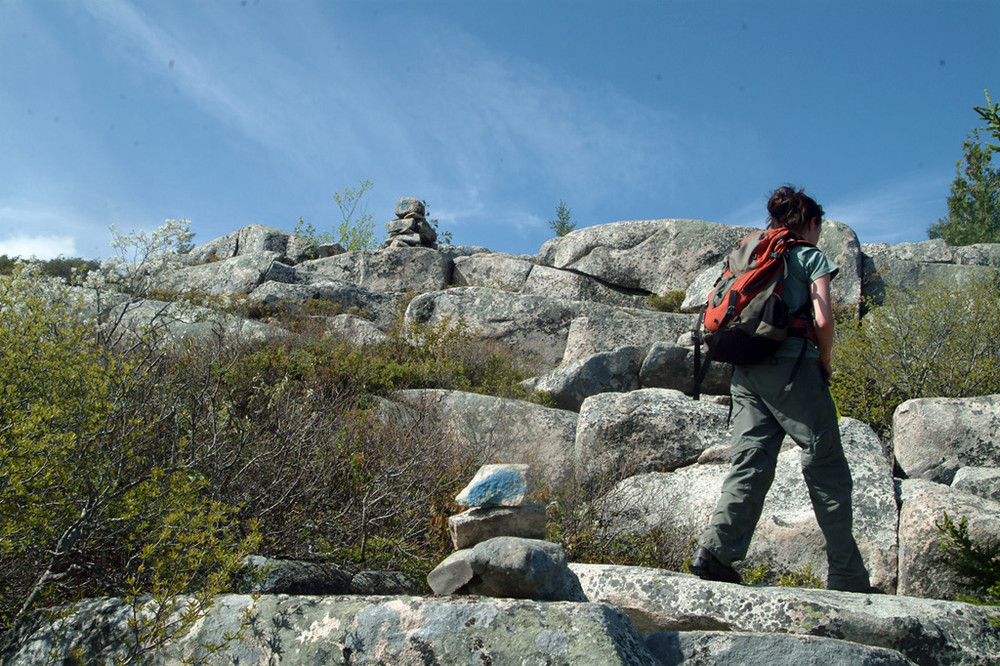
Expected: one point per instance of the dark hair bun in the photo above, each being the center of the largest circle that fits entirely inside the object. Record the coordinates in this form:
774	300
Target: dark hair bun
792	209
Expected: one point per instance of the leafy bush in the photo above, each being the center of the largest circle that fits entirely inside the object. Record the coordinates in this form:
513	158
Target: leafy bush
926	340
99	491
356	230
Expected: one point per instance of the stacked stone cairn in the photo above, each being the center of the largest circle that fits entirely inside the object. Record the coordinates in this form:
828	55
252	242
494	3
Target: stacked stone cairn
410	228
499	541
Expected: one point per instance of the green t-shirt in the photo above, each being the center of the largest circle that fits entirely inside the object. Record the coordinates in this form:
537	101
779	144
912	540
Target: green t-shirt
806	264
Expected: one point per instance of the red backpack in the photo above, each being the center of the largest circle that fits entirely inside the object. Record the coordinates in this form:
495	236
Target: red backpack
745	319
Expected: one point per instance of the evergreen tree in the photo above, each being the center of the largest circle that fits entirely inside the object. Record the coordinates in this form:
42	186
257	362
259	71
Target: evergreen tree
974	202
562	224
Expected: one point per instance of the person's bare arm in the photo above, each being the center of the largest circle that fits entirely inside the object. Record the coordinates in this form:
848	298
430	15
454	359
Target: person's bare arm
823	315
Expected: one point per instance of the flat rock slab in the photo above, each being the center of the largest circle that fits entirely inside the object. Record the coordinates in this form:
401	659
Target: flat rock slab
293	630
926	631
734	648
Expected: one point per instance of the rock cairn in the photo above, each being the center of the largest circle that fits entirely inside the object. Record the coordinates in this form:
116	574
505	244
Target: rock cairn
410	228
499	541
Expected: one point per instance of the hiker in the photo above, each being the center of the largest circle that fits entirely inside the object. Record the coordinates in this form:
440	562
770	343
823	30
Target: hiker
788	393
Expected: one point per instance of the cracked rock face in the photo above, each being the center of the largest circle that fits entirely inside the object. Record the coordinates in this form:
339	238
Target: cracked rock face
657	256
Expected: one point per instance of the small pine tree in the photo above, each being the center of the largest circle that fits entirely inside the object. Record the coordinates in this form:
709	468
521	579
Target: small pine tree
976	566
562	224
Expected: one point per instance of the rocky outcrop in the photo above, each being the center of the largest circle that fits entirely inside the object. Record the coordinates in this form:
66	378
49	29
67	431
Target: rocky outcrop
925	262
934	437
925	631
237	275
607	331
623	434
495	270
570	385
673	367
787	536
981	481
654	256
489	429
400	270
629	615
257	238
380	308
357	331
180	321
266	575
533	328
923	507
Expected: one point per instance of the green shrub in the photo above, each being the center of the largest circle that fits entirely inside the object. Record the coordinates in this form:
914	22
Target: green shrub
99	490
669	302
762	574
976	566
356	230
926	340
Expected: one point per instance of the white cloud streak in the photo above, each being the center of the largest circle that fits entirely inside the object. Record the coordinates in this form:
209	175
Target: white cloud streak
894	211
458	119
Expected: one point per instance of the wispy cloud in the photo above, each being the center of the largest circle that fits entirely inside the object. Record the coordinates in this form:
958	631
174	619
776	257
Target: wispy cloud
494	139
157	51
895	211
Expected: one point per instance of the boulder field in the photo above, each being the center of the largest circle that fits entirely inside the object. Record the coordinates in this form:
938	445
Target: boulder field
580	316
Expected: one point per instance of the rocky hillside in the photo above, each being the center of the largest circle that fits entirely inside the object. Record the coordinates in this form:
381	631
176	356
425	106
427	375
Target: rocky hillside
579	315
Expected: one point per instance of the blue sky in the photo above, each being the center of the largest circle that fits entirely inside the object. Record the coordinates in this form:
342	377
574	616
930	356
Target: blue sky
234	112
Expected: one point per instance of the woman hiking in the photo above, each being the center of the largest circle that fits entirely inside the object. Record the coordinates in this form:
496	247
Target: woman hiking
765	408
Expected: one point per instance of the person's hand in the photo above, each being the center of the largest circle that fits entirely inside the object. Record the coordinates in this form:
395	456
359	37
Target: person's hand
827	370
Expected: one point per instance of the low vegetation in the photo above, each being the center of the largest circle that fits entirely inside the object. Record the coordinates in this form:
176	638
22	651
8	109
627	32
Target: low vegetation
923	341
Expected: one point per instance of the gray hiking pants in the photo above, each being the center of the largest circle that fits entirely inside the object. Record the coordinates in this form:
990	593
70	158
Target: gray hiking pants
762	413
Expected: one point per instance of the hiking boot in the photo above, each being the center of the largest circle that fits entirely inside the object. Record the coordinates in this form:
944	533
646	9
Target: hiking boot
707	566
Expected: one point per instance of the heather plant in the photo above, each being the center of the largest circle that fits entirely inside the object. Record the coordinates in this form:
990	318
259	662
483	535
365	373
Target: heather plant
668	302
762	574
